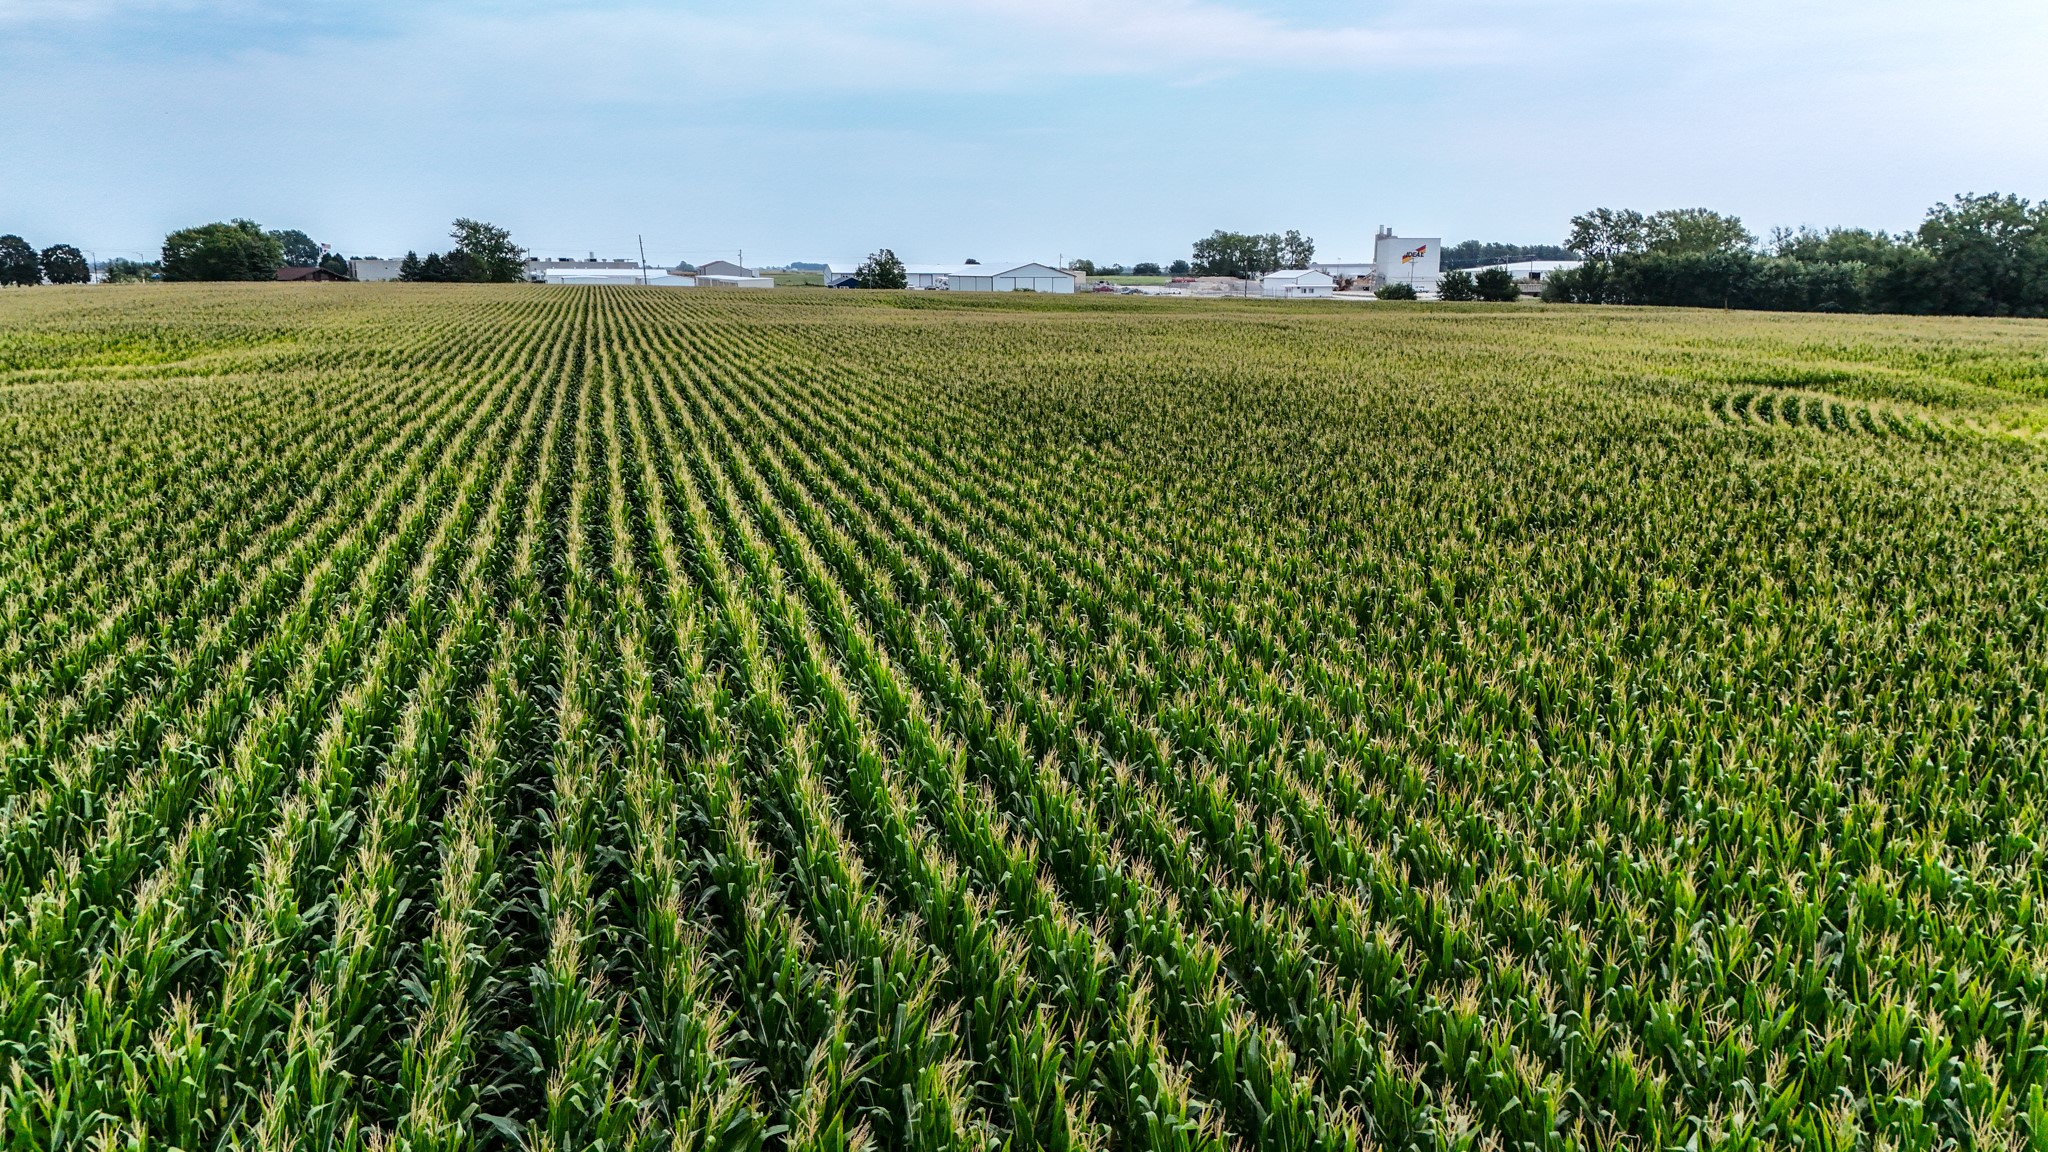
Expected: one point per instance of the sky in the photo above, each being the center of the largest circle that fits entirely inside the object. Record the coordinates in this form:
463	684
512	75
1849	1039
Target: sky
1118	130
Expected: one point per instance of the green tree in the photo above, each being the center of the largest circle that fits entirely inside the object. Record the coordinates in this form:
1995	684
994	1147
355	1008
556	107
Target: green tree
882	270
1296	250
1457	285
1473	253
1833	246
409	268
299	249
335	264
1179	268
1695	231
240	250
488	254
1604	232
1497	285
121	270
1084	267
1990	256
1395	291
1145	268
18	264
434	269
1238	254
1245	255
64	264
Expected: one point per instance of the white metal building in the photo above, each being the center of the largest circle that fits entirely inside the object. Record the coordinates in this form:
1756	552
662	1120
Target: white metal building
722	268
537	267
1346	270
652	277
369	268
714	280
1534	270
998	276
1298	282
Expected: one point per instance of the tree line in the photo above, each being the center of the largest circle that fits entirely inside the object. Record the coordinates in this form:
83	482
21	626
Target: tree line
482	254
242	249
1973	256
22	266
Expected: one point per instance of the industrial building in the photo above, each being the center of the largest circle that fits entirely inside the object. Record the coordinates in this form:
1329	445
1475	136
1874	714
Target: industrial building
1000	276
1413	260
369	268
652	277
1529	274
538	267
1298	283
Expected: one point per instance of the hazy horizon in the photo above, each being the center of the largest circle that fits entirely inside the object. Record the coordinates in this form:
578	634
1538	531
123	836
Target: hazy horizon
997	129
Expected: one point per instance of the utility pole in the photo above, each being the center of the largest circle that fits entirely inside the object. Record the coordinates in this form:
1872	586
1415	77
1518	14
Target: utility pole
642	240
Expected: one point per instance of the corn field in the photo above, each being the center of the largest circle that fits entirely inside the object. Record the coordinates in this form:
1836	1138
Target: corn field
608	718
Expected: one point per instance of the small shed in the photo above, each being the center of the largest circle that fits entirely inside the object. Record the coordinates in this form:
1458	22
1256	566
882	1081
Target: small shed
1298	282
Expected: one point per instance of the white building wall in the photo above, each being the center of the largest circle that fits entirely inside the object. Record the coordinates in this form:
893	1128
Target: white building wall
1416	260
372	269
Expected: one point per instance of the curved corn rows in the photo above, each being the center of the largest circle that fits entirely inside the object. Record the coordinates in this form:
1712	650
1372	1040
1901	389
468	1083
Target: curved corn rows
615	719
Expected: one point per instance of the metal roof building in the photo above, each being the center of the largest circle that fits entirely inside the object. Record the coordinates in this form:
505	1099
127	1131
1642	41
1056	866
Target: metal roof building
1297	282
999	276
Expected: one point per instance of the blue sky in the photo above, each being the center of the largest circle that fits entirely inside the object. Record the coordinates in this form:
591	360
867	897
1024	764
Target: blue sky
1120	130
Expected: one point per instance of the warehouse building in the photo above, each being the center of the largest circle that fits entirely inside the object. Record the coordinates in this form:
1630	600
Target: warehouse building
1001	276
1298	283
652	277
368	268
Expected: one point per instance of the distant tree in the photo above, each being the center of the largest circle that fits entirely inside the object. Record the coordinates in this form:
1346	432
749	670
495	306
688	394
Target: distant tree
1179	268
409	268
433	269
1604	232
459	267
685	268
1834	246
972	260
1145	268
19	266
489	256
299	249
1497	285
64	264
1695	232
1296	250
1473	253
122	270
1084	267
882	270
240	250
333	262
1245	255
1457	285
1395	291
1990	256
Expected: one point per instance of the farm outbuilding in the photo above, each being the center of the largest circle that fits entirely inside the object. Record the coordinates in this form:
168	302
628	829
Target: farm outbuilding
1297	282
651	277
1000	276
